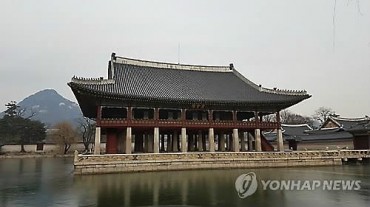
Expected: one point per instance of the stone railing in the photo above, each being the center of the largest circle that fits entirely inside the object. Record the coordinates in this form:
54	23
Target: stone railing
221	155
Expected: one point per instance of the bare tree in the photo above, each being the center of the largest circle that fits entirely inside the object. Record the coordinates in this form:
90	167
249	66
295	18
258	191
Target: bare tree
323	113
87	130
65	135
288	117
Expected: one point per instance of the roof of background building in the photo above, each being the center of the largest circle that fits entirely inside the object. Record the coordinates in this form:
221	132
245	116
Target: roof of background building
350	124
303	132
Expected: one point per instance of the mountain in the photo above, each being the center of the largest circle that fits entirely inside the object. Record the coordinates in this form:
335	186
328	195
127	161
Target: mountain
50	108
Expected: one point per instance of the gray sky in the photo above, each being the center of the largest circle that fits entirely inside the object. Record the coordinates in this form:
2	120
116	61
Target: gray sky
286	44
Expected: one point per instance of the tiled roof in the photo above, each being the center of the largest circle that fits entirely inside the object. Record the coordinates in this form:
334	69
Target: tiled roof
352	124
295	130
137	79
303	132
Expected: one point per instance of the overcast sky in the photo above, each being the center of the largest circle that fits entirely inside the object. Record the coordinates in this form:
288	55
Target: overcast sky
286	44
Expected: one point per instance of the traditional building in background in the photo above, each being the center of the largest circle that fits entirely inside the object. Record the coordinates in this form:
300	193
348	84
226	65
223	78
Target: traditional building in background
358	127
335	133
303	137
147	106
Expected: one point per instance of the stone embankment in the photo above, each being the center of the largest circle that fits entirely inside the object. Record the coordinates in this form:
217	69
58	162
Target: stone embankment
117	163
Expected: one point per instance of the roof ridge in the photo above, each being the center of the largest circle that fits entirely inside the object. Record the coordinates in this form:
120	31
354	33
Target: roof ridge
296	125
366	118
96	81
166	65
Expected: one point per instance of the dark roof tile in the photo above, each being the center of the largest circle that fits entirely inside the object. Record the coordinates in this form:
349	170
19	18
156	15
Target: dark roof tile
164	81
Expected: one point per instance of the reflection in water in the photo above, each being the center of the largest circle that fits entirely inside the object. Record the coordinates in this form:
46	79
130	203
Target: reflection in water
216	188
50	182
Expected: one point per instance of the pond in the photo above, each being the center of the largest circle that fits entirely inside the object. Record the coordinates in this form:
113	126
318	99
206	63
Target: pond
50	182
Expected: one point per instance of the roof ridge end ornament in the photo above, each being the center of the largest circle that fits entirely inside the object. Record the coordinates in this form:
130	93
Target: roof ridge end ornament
113	58
283	91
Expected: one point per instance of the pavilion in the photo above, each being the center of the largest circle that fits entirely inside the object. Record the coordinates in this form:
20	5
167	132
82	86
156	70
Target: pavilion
152	107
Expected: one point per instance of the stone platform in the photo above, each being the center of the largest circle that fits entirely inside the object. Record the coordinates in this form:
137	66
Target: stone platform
118	163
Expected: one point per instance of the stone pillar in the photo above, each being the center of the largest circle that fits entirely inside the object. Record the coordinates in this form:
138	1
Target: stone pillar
190	142
121	141
146	142
222	142
211	140
97	141
128	148
200	143
150	143
169	143
280	140
242	141
156	140
250	142
257	138
183	140
280	143
228	140
236	140
137	138
175	139
204	141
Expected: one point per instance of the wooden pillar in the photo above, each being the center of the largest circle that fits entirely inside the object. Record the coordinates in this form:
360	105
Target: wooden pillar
250	142
121	142
242	141
200	143
175	140
97	140
183	139
222	142
190	142
111	145
161	137
128	148
169	143
234	116
235	140
229	142
129	113
204	140
141	142
211	140
136	142
150	143
146	142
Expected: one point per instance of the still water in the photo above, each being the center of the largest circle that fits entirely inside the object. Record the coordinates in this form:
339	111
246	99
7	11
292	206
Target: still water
50	182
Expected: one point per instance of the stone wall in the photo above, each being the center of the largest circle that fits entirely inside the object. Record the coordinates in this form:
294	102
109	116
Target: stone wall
97	164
